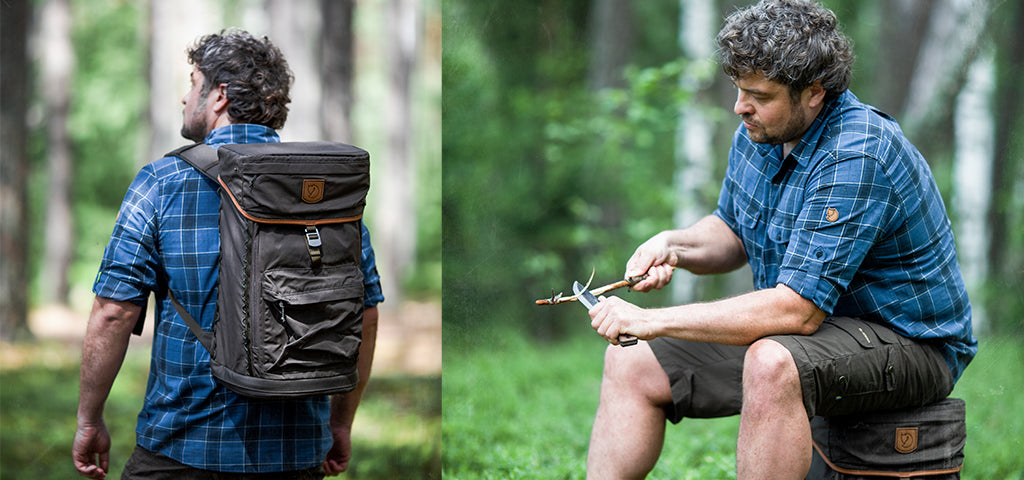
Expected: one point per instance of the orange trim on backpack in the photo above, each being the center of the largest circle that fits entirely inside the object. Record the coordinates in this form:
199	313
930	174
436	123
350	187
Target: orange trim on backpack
879	473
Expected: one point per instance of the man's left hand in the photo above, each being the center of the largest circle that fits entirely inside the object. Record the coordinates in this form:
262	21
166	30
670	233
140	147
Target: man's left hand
613	316
340	453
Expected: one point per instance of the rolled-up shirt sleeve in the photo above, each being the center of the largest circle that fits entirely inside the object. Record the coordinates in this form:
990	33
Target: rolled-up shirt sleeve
128	270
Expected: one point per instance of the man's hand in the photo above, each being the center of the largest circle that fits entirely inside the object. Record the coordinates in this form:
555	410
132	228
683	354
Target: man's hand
613	316
340	453
654	258
91	450
344	405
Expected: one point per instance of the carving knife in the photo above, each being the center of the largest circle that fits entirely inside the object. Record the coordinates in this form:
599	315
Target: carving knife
588	300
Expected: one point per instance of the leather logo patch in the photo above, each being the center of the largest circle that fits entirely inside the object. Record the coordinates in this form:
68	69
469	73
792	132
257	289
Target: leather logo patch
906	439
312	190
831	214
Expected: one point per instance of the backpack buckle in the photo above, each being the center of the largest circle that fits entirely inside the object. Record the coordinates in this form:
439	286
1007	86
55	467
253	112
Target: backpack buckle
313	244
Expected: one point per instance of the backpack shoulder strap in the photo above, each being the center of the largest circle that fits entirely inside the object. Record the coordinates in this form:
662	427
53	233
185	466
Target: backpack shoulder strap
205	338
201	156
204	158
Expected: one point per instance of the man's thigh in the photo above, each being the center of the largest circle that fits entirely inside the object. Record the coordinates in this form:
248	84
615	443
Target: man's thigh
706	378
848	365
851	365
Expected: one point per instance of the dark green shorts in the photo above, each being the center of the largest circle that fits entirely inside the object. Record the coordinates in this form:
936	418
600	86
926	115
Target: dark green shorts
847	366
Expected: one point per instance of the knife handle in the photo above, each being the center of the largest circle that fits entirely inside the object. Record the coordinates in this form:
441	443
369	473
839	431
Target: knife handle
627	340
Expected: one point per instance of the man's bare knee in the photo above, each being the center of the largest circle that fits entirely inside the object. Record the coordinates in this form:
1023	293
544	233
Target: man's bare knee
636	369
769	371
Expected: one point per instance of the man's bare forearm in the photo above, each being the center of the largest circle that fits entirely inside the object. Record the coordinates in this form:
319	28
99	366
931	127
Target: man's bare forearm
742	319
103	350
343	406
738	320
708	246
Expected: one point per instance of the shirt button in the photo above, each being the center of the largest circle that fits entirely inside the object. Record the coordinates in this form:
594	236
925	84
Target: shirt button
818	253
778	237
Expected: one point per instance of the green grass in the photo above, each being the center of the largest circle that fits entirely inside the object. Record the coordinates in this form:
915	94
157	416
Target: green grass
515	409
396	435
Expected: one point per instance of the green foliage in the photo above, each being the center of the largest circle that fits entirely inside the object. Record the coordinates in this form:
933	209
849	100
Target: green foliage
514	408
993	387
108	103
397	433
545	180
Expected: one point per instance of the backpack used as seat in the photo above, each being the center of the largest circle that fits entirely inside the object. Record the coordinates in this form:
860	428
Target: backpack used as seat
289	313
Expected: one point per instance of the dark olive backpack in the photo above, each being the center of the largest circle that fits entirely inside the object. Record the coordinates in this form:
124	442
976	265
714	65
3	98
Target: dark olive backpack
289	311
925	443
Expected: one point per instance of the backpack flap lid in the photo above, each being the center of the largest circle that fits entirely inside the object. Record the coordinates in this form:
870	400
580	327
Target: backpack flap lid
296	182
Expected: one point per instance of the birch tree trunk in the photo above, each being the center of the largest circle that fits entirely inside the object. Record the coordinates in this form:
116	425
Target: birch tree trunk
395	221
13	169
58	61
952	39
174	27
975	128
695	129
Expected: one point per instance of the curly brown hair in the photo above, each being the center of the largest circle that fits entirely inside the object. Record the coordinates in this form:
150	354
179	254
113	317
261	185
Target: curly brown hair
792	42
255	71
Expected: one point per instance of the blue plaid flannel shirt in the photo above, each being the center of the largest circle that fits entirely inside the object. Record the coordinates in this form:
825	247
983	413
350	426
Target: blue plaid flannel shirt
852	220
169	223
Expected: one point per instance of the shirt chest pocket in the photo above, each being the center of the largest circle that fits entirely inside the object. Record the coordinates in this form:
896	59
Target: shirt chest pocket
747	213
783	217
780	228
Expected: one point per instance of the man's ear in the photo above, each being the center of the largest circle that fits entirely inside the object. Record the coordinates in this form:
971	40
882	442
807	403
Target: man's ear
817	94
219	99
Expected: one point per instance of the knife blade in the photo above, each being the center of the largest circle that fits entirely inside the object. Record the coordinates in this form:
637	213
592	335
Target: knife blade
588	300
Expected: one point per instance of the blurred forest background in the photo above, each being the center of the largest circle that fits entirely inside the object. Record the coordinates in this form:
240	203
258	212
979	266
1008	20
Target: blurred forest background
575	130
91	91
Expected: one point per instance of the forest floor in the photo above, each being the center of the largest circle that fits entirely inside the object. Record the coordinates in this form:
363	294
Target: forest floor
397	433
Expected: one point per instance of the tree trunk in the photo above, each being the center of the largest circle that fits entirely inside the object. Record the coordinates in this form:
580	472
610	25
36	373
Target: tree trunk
57	64
611	34
336	69
694	135
395	221
1006	171
975	152
902	40
174	26
952	39
295	29
15	17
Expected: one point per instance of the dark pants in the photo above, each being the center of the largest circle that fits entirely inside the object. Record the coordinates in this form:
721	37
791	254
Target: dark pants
146	465
847	366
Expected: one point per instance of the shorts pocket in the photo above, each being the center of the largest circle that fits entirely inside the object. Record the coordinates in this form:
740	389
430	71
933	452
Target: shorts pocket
867	377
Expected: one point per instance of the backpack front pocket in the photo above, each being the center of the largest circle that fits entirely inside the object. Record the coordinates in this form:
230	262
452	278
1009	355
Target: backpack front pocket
311	321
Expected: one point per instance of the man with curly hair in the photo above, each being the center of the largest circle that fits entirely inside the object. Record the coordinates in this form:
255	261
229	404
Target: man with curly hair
859	304
166	238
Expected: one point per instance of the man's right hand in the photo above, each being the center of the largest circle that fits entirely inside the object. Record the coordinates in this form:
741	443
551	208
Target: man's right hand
654	258
91	450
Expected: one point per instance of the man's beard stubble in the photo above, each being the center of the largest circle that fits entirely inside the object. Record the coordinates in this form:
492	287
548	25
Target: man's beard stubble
792	130
194	128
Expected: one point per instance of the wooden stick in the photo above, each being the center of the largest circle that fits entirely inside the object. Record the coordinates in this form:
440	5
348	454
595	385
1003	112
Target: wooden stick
556	299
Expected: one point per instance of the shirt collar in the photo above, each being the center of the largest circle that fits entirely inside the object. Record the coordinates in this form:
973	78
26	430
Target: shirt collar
241	133
805	149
